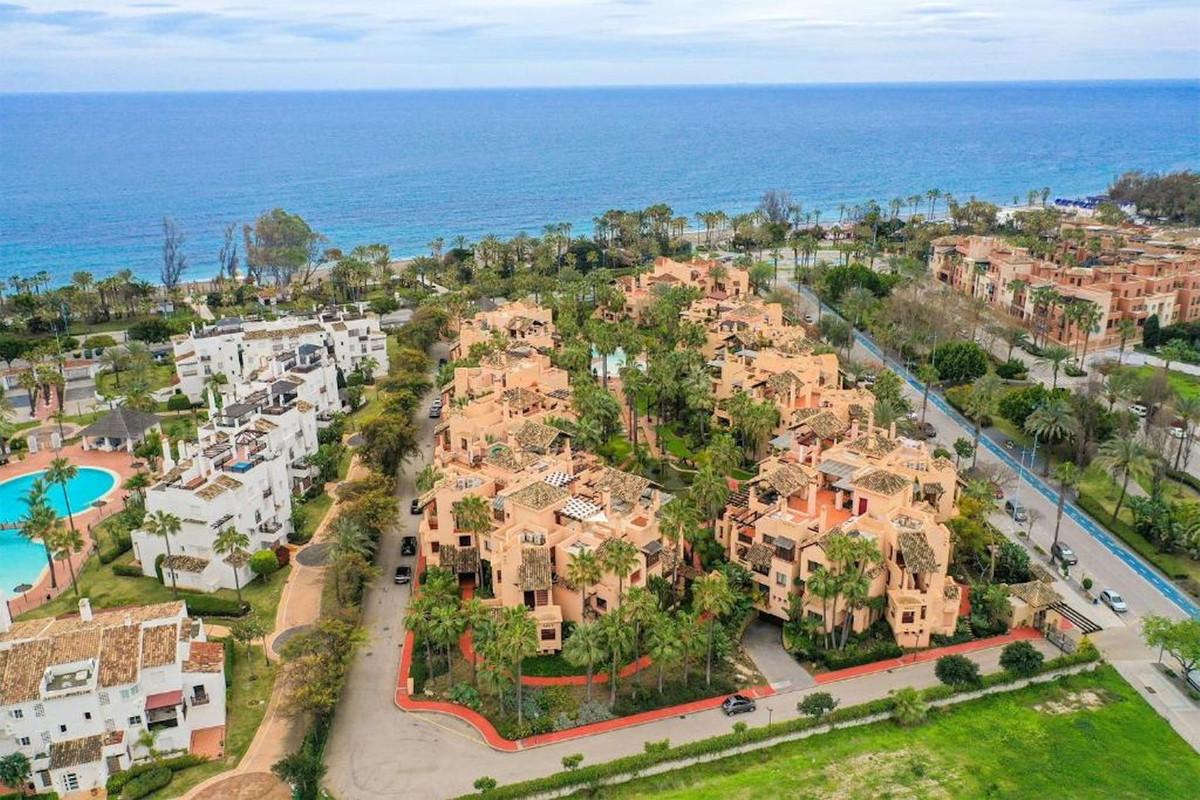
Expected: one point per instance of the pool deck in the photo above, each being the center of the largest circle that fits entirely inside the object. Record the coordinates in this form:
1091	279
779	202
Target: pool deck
121	463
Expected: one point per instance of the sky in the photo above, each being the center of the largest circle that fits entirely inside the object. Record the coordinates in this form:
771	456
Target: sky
98	45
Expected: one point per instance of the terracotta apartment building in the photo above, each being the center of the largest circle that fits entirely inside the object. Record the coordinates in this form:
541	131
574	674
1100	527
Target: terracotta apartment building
1125	280
515	324
715	280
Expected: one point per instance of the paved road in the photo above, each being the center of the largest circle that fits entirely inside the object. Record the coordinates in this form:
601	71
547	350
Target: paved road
763	642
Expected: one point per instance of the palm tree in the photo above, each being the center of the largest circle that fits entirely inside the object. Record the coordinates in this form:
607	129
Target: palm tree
928	375
709	492
427	478
1054	357
1126	329
583	572
66	543
1067	475
1124	455
474	616
1054	420
639	609
620	557
417	621
1187	407
823	584
62	472
137	484
584	648
39	521
446	625
517	640
235	547
160	523
712	598
980	402
664	645
676	521
618	640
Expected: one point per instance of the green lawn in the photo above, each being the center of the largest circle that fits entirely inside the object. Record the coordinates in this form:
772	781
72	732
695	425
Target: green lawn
160	375
1184	385
1098	495
108	590
246	702
314	511
1098	740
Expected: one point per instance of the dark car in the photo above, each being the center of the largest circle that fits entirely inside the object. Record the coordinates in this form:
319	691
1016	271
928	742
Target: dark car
928	431
435	412
1063	552
408	546
403	574
738	704
415	506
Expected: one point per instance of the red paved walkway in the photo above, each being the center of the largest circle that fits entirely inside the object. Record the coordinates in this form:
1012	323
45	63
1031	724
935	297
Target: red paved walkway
1015	635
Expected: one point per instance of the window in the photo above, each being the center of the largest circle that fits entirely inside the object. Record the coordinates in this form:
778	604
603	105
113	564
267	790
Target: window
24	741
135	720
46	737
62	728
464	541
813	565
87	715
103	696
548	635
39	710
71	782
907	617
780	579
17	713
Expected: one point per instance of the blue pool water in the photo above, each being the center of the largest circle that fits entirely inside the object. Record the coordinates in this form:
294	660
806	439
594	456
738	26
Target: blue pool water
84	489
22	561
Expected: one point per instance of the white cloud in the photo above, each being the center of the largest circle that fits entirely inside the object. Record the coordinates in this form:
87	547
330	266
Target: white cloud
183	44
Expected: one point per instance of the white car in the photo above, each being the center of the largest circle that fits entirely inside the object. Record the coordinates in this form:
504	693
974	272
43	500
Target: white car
1114	601
1138	410
1176	432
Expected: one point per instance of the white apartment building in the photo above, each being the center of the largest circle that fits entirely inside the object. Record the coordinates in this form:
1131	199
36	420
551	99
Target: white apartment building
238	349
77	692
237	482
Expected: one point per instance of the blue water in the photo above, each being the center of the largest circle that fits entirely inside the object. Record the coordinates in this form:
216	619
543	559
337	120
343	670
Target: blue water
85	179
84	489
22	561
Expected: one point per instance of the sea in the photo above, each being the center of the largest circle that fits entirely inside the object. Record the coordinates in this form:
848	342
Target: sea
86	179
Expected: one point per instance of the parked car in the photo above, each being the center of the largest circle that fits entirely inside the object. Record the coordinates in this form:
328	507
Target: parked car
1138	410
1063	552
808	318
1176	431
435	412
1113	601
928	431
738	704
408	546
403	574
1016	510
415	506
1193	679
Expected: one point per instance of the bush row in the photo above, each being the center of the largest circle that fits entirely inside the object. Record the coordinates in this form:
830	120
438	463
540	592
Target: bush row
1186	478
127	570
597	773
835	660
118	780
123	545
204	605
144	784
1136	542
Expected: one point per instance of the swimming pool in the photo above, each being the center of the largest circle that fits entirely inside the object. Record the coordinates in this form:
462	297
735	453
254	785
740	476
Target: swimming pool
87	487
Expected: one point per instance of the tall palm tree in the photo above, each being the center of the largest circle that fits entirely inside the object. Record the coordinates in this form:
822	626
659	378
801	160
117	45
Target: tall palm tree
1126	329
235	547
1068	476
1054	357
712	598
709	492
62	472
676	521
985	391
639	610
39	521
824	584
620	557
160	523
583	572
1053	421
618	640
664	645
1122	455
474	616
585	647
66	543
928	375
517	640
446	625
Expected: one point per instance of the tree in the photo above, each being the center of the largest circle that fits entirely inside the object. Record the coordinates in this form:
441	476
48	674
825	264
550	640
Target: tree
15	771
446	625
516	639
963	448
302	770
280	245
584	571
234	546
620	557
908	707
484	784
264	563
1068	476
1054	357
929	376
712	598
959	362
66	543
664	646
388	441
640	608
585	647
980	403
677	522
62	472
956	670
817	705
161	523
1122	455
709	493
618	641
1054	421
472	515
1021	659
1126	329
39	522
1150	329
1179	638
174	262
249	628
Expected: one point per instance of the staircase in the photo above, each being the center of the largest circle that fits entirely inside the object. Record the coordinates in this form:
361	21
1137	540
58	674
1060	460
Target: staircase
1085	625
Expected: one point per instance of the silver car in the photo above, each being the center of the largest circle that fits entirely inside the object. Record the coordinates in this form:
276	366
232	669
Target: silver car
1114	601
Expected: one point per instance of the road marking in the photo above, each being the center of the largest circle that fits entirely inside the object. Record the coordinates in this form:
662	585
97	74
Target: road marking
1164	587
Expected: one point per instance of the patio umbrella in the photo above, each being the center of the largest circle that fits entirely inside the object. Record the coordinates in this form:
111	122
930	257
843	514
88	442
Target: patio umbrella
22	588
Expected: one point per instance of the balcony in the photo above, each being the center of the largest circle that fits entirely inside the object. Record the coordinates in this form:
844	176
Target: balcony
200	697
270	526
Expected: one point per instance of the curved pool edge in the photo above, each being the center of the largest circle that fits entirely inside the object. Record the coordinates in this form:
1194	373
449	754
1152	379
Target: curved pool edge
75	512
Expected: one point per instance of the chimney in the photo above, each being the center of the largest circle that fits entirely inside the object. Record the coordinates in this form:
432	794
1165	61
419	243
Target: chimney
128	620
168	461
854	430
5	617
85	609
892	431
823	520
812	499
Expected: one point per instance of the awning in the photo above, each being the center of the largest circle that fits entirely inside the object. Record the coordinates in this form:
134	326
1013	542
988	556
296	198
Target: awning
164	700
784	543
839	468
652	547
558	479
578	508
783	441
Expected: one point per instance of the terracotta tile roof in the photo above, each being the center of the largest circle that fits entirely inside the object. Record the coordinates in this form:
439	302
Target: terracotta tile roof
181	563
826	424
781	382
304	406
625	486
539	495
285	333
229	482
788	479
211	492
759	555
883	482
159	645
918	555
205	657
239	558
536	436
534	572
75	752
503	456
120	655
22	679
520	397
873	445
1035	593
459	559
75	646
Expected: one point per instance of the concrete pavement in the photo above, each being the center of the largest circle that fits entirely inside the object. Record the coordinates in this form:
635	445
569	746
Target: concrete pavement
763	642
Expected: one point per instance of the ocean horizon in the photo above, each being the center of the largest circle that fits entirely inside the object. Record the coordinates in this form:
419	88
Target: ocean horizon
85	179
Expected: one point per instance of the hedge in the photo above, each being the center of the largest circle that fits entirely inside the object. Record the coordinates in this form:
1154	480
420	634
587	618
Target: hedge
639	762
111	554
205	605
1186	478
834	660
117	781
143	785
1136	542
127	570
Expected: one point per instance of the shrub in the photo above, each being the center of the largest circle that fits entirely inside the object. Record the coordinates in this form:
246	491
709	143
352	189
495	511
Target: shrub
1021	658
205	605
126	570
122	545
264	563
99	342
118	780
466	695
908	707
179	403
660	746
150	330
143	785
957	671
1012	369
959	361
485	784
835	660
817	705
572	761
1087	584
1073	371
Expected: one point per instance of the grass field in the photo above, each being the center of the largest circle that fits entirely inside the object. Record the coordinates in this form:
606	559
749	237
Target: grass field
1085	736
1184	385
